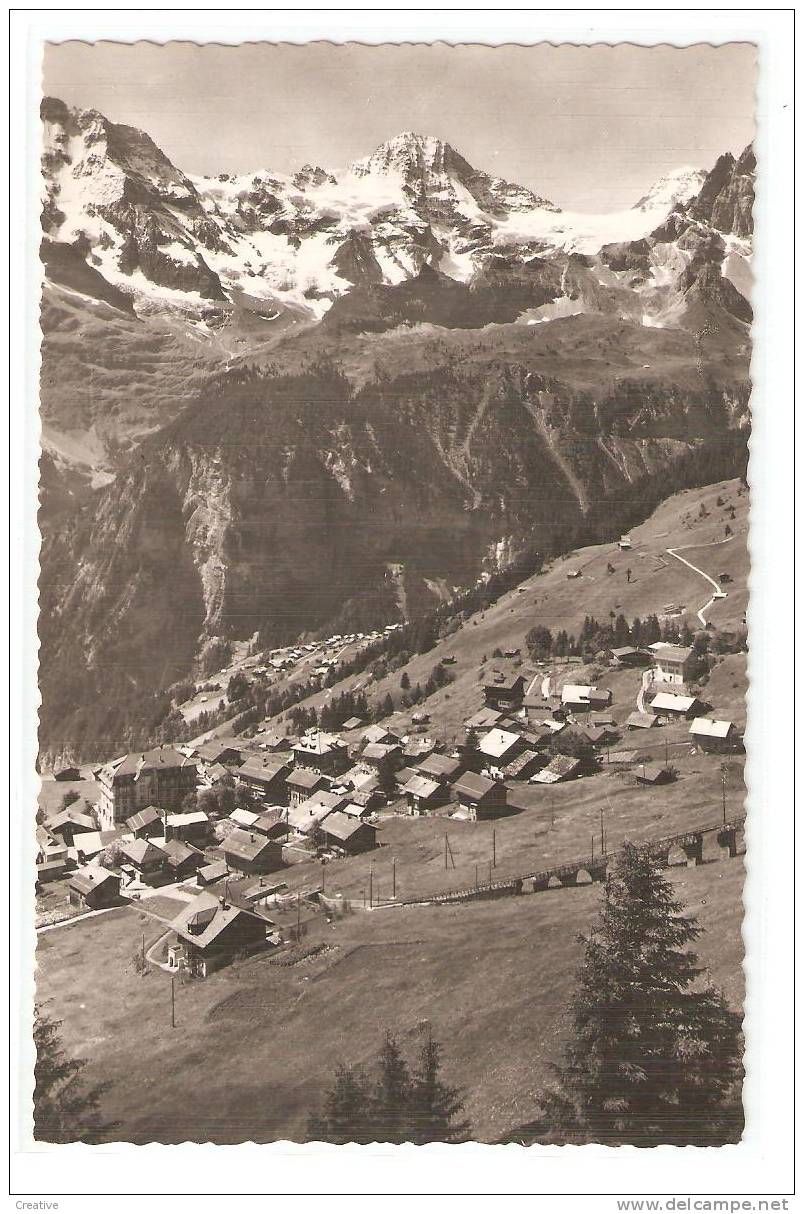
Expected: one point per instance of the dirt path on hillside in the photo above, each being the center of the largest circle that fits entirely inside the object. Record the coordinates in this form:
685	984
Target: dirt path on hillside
675	551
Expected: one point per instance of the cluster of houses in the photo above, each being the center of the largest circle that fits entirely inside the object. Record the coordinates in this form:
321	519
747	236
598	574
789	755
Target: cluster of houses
668	697
318	795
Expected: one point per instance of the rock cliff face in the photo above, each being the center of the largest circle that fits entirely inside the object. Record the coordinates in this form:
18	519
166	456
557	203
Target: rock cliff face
279	503
726	198
319	396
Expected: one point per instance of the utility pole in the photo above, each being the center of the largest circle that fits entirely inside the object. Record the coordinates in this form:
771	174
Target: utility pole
393	877
723	787
602	840
172	1002
445	852
371	887
494	846
298	918
323	877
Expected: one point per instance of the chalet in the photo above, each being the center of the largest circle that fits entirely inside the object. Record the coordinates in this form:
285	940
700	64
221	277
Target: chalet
302	783
212	931
162	776
560	767
349	833
353	723
273	823
499	747
210	874
535	709
384	757
673	664
417	749
485	718
93	888
628	655
212	753
269	739
361	782
600	735
49	848
182	861
51	870
214	774
675	707
67	773
575	697
479	797
380	736
420	718
146	823
87	846
249	852
651	773
71	823
715	736
523	766
505	696
423	794
190	826
356	809
578	697
641	720
145	859
443	768
255	890
243	817
312	812
266	781
321	752
624	543
549	728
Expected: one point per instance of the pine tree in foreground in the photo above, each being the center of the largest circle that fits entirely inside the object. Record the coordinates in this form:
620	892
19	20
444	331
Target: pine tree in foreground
65	1110
433	1105
398	1105
346	1112
655	1055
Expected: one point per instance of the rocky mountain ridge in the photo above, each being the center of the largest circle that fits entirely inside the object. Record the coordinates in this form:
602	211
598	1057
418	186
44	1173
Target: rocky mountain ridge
319	396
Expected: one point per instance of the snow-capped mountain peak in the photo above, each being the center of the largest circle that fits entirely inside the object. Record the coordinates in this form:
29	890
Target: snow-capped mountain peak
295	243
405	153
680	185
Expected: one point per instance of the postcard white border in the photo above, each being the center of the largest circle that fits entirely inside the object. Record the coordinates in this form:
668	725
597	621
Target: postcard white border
761	1164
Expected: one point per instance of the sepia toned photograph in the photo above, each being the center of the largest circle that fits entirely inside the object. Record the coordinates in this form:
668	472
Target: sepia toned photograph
394	506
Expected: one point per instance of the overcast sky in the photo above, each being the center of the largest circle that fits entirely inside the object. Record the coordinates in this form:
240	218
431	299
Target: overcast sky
589	127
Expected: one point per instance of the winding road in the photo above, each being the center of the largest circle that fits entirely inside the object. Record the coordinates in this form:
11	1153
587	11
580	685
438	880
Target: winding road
718	592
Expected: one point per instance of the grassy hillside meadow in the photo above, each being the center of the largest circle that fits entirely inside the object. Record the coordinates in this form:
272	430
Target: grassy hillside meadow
254	1045
492	979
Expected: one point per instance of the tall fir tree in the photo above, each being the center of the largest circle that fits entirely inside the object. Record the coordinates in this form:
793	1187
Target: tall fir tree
391	1093
346	1114
65	1109
395	1105
434	1106
654	1056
